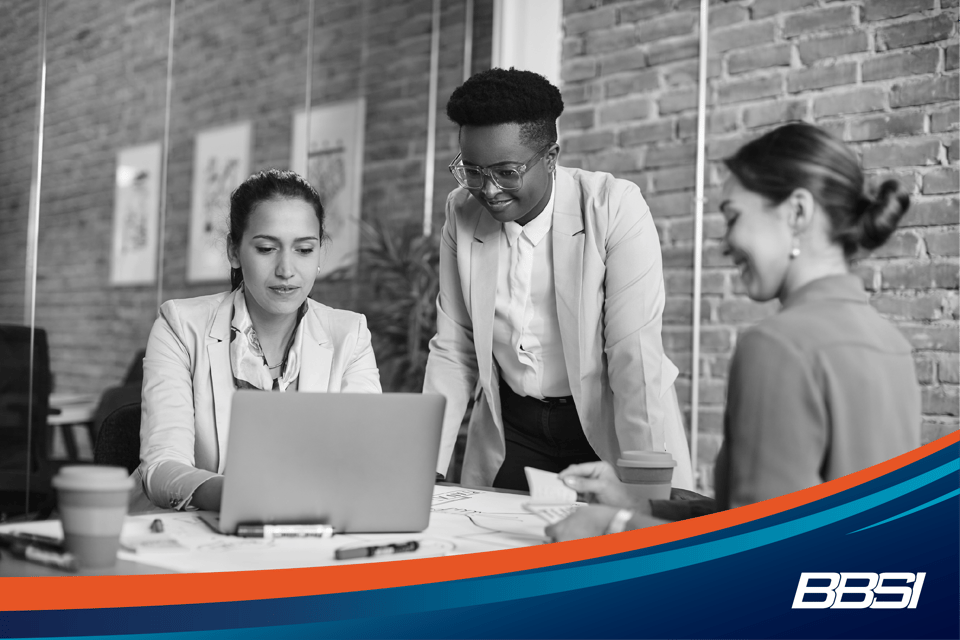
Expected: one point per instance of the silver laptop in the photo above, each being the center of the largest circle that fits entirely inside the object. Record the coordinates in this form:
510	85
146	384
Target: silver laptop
359	462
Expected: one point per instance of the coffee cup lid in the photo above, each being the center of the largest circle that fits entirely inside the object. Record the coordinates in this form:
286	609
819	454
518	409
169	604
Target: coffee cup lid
92	477
646	459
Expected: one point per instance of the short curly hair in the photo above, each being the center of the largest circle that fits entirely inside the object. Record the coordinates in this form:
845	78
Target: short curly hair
501	96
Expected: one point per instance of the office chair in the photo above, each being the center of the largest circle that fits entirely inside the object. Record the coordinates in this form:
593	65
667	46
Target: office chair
118	442
15	401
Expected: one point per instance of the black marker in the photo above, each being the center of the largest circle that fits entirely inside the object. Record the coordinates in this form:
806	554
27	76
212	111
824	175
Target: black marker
377	550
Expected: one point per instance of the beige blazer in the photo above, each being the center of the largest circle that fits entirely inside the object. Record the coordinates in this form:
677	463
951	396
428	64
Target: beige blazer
188	387
609	282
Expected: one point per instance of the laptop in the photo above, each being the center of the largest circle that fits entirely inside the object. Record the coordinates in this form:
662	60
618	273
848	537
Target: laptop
362	463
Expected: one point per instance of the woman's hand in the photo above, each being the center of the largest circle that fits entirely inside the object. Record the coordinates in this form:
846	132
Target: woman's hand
585	522
598	482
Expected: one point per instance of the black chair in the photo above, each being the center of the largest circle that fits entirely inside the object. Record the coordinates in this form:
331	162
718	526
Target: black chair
15	406
127	392
118	442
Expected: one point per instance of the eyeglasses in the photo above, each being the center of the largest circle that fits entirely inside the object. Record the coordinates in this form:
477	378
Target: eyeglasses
508	176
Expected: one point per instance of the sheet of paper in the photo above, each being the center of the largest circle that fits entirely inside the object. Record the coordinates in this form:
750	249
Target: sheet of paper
547	487
552	513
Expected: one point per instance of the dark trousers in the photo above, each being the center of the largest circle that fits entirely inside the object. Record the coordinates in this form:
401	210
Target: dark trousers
544	434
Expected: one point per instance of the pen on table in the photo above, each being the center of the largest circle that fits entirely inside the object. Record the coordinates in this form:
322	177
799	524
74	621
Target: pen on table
376	550
284	530
35	539
46	557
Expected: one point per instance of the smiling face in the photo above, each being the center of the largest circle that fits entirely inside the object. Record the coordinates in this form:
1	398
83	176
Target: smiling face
279	254
489	145
758	239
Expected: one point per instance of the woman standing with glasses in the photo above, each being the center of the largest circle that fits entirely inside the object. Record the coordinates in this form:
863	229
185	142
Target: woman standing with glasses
551	295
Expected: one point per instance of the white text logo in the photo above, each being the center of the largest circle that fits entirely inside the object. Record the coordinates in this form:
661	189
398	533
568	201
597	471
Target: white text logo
859	596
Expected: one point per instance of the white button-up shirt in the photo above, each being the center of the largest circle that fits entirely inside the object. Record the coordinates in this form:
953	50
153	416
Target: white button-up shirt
526	328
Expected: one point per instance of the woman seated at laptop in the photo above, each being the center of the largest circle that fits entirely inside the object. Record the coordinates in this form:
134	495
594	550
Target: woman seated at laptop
264	334
825	387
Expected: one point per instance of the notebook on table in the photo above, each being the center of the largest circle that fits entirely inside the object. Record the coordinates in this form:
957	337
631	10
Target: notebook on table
362	463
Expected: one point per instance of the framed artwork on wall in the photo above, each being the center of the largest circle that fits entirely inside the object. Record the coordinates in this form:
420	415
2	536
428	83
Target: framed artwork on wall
221	161
136	210
333	163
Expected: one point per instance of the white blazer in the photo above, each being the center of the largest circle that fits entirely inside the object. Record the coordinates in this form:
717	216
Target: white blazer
609	281
188	387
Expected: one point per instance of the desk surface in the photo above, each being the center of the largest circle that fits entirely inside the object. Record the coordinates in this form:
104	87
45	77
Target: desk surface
462	520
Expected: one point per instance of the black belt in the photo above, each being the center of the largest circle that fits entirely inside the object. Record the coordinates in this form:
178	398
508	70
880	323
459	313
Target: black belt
552	402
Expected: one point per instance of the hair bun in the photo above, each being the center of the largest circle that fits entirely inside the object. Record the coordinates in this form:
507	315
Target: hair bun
880	214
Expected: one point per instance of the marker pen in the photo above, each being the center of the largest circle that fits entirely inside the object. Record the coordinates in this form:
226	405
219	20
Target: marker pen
46	557
284	530
376	550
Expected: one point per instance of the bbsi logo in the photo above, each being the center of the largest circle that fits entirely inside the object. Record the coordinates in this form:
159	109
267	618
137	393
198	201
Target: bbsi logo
859	596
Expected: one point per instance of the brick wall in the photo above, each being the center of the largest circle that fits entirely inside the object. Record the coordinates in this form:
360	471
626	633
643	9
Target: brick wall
106	89
881	74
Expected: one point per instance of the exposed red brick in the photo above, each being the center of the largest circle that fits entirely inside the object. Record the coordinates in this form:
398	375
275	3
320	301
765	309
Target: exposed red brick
818	20
941	400
908	152
932	337
766	8
603	18
630	109
936	428
774	112
644	9
900	245
576	119
859	100
575	6
726	15
615	161
832	46
667	26
750	88
922	31
926	369
680	49
672	179
717	121
634	83
943	180
918	307
593	141
578	69
946	120
777	55
930	275
950	61
671	205
743	35
647	132
572	47
943	244
672	155
886	125
822	77
608	40
623	61
932	211
925	91
900	64
688	72
681	100
948	370
884	9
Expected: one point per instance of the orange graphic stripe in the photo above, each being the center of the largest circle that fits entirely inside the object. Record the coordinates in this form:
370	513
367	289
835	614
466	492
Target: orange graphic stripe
97	592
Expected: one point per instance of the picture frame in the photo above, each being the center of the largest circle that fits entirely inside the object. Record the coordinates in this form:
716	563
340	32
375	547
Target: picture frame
221	162
136	213
333	163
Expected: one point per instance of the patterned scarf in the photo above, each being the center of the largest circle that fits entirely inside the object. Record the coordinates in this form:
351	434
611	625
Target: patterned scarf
249	366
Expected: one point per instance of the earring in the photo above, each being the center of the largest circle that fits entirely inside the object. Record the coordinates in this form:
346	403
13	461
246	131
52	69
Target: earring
795	251
318	270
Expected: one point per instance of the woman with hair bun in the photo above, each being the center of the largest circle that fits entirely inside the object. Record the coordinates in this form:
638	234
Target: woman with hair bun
825	387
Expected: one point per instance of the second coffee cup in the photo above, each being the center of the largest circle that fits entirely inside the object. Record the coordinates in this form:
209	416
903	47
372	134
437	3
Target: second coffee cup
647	474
